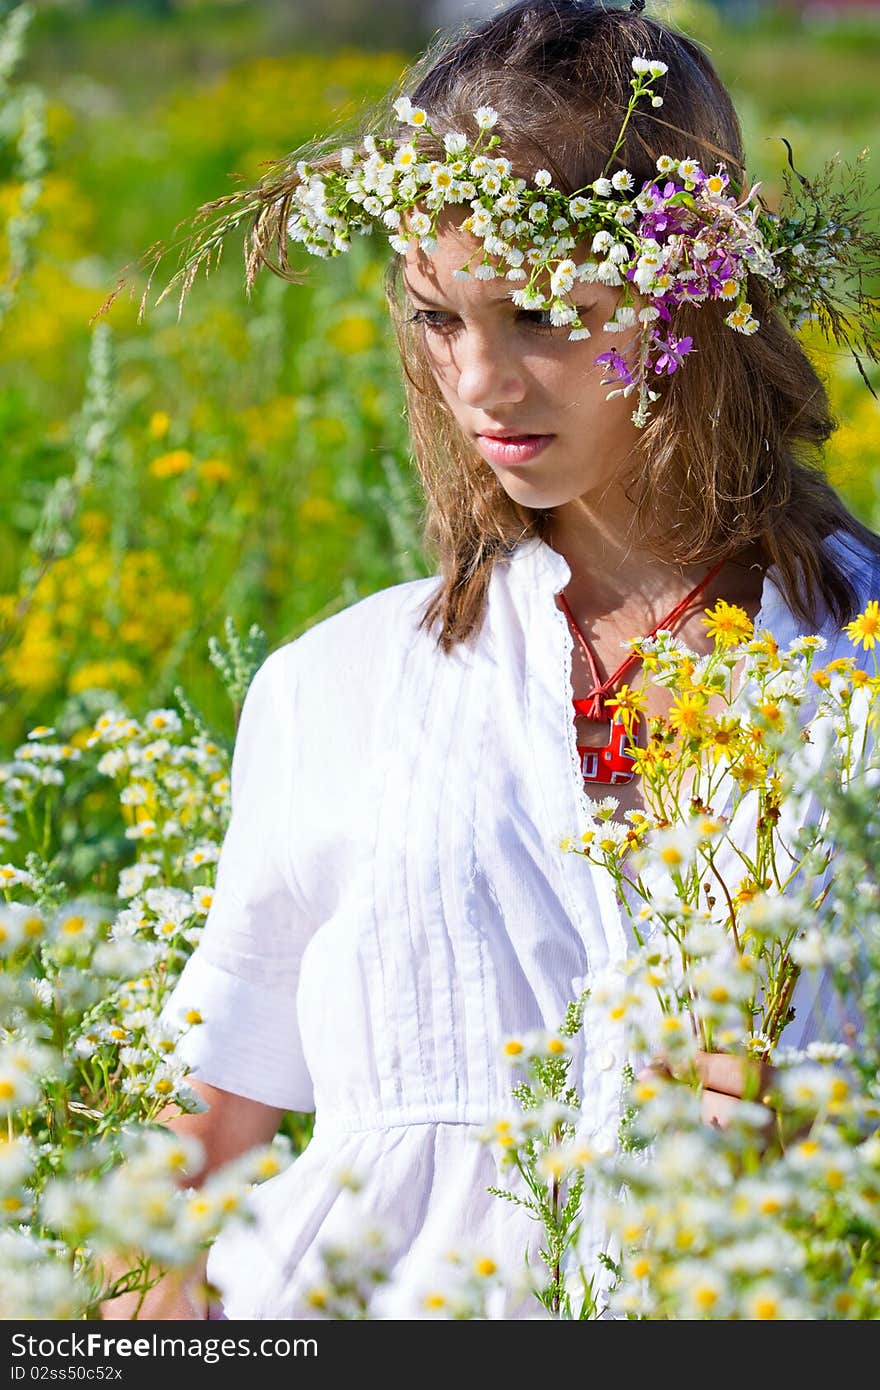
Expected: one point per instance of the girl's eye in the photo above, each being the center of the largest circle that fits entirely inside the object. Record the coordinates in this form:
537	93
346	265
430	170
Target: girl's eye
441	322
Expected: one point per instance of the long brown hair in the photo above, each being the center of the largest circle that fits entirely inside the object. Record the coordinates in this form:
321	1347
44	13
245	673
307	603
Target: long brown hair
732	455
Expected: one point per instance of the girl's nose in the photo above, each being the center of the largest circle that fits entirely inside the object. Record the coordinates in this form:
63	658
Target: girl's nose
488	376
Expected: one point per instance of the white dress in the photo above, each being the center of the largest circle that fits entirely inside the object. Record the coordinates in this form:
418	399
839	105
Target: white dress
392	901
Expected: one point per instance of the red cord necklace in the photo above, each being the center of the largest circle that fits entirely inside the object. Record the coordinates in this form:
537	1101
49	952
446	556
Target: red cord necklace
611	763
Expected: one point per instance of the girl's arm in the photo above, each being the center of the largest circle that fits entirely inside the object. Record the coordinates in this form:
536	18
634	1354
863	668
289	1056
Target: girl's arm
228	1128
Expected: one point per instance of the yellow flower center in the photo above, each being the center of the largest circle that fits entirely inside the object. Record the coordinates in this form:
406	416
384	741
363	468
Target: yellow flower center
766	1309
705	1297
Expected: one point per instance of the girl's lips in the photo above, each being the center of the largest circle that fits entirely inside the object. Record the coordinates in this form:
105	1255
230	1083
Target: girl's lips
514	448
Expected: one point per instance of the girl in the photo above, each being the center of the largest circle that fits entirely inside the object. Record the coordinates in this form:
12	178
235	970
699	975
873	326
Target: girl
392	900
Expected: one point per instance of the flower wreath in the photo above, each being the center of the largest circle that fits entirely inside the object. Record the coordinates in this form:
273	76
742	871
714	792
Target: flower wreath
687	235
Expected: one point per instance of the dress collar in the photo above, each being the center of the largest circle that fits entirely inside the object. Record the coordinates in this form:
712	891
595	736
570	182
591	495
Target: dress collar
536	566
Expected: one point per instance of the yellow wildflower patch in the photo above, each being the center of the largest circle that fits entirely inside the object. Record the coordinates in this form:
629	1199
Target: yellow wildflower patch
171	464
353	334
215	471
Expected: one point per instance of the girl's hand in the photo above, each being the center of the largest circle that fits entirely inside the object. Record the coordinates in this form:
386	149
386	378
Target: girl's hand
725	1081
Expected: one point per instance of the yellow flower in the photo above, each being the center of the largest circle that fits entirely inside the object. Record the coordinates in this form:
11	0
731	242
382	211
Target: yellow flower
650	660
766	1307
633	838
688	712
650	761
750	773
686	668
834	1178
772	713
159	424
672	855
104	674
767	647
629	703
705	1296
169	465
747	890
645	1091
722	738
727	624
318	509
94	525
353	334
671	1027
864	629
215	471
632	1231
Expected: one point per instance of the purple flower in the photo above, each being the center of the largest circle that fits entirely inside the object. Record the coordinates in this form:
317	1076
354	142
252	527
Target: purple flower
618	365
663	219
674	351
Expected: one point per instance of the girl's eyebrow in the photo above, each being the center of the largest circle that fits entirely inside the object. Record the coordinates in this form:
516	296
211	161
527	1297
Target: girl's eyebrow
417	294
432	304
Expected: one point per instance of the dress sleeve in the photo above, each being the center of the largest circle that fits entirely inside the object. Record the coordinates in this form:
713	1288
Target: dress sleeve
243	974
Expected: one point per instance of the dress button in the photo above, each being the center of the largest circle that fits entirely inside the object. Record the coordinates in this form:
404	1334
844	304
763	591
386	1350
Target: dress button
605	1059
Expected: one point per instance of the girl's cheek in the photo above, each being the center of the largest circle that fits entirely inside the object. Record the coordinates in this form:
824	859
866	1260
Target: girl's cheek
438	360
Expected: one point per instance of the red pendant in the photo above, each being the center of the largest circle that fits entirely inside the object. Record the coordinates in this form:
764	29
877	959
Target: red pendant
609	763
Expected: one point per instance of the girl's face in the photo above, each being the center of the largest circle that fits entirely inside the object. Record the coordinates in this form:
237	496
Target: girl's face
502	370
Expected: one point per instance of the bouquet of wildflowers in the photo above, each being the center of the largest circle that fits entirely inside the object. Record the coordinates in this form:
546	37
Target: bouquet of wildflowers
724	872
752	884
